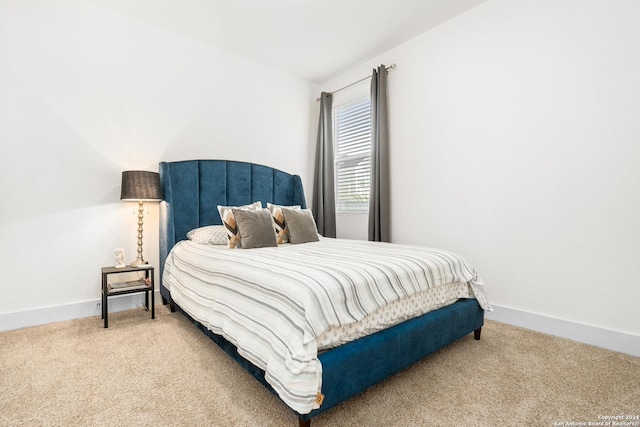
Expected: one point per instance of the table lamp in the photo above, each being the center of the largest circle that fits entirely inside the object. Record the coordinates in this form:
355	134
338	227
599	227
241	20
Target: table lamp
140	186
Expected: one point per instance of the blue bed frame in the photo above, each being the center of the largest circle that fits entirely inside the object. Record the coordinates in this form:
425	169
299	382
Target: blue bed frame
193	190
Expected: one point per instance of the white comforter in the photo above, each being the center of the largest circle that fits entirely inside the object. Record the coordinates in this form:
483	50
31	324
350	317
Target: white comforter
273	303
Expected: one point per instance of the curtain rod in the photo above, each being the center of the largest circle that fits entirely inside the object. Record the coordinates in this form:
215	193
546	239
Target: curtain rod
390	67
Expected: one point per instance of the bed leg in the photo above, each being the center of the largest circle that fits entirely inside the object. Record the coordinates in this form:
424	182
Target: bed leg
171	305
476	333
304	423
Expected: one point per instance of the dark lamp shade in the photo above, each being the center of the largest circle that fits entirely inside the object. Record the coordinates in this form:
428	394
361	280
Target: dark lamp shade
140	185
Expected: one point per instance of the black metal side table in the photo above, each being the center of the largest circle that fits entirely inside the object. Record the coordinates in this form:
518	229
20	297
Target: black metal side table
146	285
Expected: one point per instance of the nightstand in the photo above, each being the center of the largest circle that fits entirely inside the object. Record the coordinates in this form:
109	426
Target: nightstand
145	285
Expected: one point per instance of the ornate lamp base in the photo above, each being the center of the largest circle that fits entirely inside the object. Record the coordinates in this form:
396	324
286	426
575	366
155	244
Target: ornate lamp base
139	261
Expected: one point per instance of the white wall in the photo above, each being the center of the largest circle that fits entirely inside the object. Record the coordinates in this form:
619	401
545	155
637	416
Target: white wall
515	140
87	93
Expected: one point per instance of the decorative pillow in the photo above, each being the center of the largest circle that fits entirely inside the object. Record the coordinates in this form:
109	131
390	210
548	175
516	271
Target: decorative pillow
209	235
256	228
229	221
301	226
278	219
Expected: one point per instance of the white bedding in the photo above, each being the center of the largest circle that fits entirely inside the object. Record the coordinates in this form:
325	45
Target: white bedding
277	305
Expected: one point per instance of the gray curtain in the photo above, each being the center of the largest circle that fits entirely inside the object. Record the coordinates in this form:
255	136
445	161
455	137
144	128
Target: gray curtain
323	205
379	204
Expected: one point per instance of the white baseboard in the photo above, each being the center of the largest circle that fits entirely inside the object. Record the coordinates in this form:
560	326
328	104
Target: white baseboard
41	316
611	340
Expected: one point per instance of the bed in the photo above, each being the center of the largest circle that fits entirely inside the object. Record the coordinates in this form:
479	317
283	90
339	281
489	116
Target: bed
311	368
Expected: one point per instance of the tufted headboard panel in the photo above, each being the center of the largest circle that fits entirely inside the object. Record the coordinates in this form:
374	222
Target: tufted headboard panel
193	190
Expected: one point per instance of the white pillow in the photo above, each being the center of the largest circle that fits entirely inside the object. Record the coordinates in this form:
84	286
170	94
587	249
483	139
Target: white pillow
209	235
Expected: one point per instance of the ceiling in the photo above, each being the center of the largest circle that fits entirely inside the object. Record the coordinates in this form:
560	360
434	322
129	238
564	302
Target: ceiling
312	39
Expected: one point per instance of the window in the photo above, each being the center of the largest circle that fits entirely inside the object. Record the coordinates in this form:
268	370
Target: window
352	139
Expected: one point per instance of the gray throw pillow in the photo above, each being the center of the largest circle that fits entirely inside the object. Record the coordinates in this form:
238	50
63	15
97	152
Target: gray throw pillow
300	225
256	228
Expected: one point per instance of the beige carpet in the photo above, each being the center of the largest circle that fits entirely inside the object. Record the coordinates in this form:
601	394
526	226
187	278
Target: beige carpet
165	372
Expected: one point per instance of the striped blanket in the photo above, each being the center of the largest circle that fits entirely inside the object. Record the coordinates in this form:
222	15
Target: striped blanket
273	303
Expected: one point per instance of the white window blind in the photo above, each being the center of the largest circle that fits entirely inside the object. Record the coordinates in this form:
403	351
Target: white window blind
352	136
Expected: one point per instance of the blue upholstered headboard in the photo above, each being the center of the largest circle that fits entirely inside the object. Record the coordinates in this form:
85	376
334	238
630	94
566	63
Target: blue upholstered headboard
193	190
